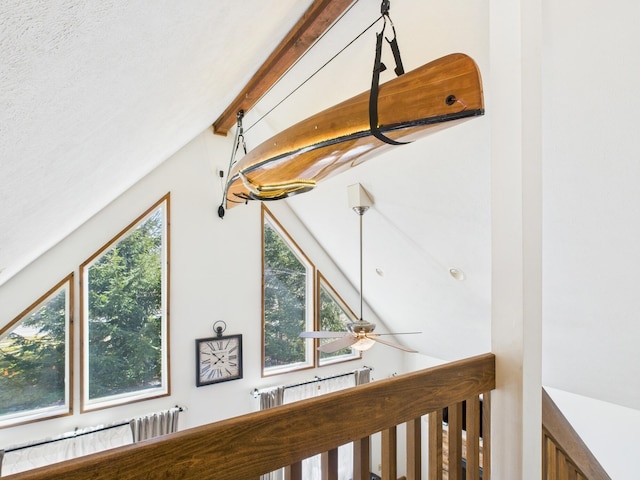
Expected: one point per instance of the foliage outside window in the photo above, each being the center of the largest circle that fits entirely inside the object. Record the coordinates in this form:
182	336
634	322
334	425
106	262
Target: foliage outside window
333	316
35	359
125	324
287	301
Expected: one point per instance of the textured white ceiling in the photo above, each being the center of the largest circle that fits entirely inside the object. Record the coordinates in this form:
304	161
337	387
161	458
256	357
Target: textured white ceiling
93	95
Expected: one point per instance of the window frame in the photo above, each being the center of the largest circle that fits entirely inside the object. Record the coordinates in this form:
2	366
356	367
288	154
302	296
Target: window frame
321	282
46	413
86	403
310	357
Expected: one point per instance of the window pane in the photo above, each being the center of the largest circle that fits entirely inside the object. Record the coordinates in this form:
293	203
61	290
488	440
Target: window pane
33	361
334	317
287	312
125	316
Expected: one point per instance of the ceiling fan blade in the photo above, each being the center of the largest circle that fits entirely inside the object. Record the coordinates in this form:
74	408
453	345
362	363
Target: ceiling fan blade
323	334
398	333
391	344
339	344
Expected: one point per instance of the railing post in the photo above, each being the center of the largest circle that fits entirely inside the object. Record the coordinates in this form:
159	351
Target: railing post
389	453
362	459
293	471
455	442
414	449
486	436
329	462
473	438
435	445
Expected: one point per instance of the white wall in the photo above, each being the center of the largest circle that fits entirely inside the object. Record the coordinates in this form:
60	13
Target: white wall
591	172
215	275
591	72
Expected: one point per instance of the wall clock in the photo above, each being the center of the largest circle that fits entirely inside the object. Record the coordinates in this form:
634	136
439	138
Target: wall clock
218	359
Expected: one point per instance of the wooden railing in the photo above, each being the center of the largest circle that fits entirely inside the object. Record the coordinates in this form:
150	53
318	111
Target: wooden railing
243	448
564	454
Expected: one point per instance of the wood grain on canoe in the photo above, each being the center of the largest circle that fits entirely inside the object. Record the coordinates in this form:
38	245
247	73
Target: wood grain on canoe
429	98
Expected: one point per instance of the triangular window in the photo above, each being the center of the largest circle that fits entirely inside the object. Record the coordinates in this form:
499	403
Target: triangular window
333	315
288	280
124	292
35	365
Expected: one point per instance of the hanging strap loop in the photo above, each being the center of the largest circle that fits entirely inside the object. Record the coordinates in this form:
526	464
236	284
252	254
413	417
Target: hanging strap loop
378	67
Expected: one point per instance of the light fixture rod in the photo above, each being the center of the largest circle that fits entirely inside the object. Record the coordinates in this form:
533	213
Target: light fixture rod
360	211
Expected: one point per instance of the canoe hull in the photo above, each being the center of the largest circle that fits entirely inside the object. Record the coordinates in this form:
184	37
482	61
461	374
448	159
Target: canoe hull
432	97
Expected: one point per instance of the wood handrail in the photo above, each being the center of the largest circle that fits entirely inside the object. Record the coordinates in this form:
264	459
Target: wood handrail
567	441
245	447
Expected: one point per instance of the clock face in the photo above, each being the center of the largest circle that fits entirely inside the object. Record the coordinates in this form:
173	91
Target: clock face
218	359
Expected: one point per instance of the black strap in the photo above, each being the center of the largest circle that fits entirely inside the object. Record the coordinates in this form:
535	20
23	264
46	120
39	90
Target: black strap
396	54
378	67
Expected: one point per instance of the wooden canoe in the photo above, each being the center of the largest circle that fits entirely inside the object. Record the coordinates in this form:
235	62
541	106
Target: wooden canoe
434	96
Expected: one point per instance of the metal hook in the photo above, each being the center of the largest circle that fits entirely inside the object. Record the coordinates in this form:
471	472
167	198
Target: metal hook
384	7
219	329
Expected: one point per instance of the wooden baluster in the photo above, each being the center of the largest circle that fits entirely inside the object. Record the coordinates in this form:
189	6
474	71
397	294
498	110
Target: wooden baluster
330	465
435	445
455	442
389	454
486	436
293	471
551	457
574	474
473	438
414	449
362	459
563	472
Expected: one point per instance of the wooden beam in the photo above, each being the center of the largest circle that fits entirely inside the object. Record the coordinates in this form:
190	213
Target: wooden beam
316	20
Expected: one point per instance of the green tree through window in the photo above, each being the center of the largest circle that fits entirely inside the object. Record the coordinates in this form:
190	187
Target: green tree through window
34	359
334	317
287	278
124	319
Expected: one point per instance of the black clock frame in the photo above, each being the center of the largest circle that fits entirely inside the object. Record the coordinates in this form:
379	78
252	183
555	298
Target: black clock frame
199	381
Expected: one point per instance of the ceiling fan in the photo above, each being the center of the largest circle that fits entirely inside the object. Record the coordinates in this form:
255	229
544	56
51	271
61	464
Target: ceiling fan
359	334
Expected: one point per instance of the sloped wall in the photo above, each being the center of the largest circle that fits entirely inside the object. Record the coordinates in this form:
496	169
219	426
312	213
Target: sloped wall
215	275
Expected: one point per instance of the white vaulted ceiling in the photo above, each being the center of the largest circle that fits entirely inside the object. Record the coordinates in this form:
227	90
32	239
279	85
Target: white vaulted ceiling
94	95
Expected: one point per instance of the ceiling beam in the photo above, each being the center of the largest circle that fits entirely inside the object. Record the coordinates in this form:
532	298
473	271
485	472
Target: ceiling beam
315	21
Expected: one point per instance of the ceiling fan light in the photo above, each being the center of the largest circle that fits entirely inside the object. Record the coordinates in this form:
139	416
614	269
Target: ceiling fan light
363	344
